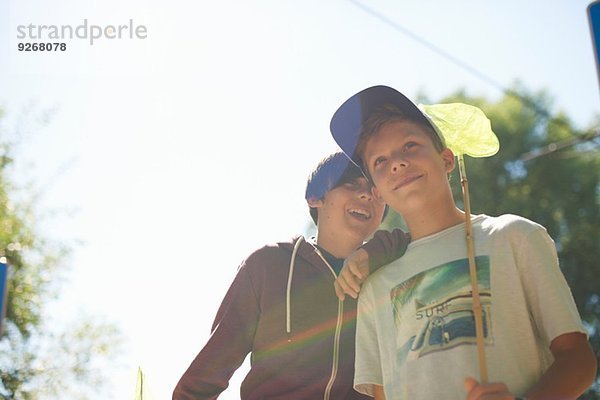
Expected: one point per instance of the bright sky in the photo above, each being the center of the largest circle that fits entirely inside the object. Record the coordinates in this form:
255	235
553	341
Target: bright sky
181	153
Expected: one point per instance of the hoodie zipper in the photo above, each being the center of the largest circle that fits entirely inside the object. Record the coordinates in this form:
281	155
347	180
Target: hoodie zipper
336	338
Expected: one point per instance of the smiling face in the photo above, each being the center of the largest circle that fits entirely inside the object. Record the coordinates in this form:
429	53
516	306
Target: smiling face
409	173
350	210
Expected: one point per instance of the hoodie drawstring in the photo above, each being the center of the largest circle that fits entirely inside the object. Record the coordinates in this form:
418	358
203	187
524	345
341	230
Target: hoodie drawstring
288	318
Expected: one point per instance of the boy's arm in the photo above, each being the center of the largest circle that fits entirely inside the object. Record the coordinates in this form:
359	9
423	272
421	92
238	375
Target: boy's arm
382	249
571	373
230	341
378	392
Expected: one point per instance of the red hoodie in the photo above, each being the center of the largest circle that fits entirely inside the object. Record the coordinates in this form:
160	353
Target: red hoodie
282	308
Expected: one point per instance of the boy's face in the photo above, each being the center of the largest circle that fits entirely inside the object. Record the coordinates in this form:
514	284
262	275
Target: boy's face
407	170
350	207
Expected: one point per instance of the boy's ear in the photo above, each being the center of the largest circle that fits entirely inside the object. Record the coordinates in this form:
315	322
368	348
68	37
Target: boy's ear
449	159
313	202
376	193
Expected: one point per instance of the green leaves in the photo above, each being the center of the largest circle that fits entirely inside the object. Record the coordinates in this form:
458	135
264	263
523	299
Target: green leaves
40	358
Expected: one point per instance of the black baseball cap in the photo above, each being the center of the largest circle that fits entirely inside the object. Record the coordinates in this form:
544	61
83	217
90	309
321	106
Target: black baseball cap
347	122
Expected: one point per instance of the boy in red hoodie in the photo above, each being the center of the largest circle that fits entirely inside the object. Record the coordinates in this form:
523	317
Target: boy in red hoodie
282	308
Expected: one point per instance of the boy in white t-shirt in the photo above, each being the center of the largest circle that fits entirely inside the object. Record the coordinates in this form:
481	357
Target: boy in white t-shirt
416	334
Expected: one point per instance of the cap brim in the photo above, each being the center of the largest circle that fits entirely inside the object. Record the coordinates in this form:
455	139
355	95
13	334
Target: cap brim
348	121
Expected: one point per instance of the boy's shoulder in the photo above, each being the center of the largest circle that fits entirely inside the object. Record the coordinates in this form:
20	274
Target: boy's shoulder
271	248
271	255
509	224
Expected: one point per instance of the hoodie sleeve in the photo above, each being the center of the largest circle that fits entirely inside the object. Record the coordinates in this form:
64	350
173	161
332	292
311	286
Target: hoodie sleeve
230	341
385	246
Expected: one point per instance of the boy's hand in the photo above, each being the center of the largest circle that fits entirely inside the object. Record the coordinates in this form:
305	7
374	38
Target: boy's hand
352	275
487	391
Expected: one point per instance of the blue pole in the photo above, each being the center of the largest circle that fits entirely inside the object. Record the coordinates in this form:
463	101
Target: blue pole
3	292
593	11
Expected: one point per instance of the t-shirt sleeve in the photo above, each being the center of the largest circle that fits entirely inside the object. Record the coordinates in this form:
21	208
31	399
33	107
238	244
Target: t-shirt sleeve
549	297
385	246
368	360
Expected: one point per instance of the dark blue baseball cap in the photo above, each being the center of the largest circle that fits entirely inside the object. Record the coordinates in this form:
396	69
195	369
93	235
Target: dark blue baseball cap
331	172
347	122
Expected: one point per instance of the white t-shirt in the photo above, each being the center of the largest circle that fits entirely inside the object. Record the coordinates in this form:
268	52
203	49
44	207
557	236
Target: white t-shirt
416	332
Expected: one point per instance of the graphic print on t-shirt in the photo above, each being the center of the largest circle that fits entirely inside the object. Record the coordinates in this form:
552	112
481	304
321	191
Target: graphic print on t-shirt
433	310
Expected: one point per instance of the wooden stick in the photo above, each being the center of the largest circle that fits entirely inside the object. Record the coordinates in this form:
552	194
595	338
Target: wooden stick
477	311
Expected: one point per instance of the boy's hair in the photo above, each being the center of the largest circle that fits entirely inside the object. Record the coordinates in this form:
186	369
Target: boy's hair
383	115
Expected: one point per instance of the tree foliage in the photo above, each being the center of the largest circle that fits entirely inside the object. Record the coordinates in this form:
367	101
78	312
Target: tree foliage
39	360
548	171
